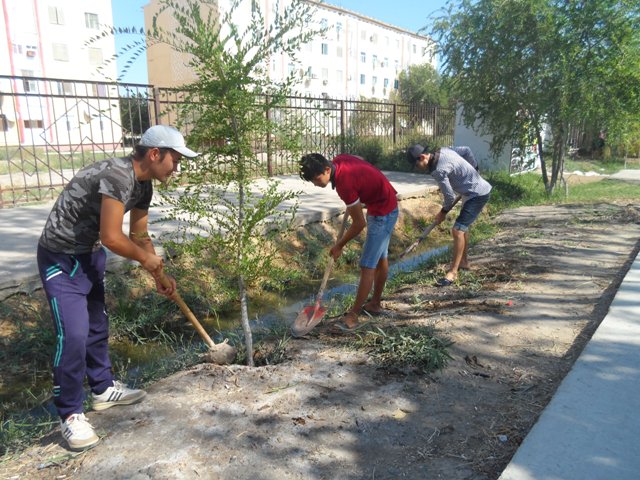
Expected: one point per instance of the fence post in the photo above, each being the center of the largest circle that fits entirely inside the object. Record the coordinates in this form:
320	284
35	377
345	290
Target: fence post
156	105
269	159
342	122
395	123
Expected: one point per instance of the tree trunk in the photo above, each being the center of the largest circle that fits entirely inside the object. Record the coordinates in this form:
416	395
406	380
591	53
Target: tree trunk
244	318
244	309
543	162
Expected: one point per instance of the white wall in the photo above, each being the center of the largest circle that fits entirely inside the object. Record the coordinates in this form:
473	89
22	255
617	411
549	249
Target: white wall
479	141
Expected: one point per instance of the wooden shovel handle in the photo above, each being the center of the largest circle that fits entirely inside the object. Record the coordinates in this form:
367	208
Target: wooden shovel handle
187	312
327	270
425	233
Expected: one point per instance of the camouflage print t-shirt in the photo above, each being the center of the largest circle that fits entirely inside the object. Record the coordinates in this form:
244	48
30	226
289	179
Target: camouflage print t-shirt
73	225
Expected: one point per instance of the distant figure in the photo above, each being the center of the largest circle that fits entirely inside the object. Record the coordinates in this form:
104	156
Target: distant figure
357	182
87	217
456	176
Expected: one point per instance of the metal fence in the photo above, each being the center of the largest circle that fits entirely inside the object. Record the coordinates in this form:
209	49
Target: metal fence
50	128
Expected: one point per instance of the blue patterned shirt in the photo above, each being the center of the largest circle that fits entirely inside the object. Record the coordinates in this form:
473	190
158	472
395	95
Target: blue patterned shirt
455	176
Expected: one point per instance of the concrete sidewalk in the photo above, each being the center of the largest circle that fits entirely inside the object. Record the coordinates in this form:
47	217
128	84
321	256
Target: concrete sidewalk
591	428
20	227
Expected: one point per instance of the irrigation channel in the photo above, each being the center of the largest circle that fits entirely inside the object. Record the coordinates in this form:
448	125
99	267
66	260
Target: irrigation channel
140	355
288	313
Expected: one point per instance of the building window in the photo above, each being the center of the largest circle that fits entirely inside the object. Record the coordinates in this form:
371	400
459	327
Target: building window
325	49
4	123
60	52
56	16
339	76
339	52
95	56
362	79
17	48
374	80
324	23
99	89
91	20
385	82
396	84
396	65
29	86
363	57
375	61
363	35
33	124
70	120
338	30
65	88
386	62
325	74
414	48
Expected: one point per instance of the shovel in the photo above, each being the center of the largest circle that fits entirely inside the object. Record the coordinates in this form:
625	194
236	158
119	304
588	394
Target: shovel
425	233
312	315
220	353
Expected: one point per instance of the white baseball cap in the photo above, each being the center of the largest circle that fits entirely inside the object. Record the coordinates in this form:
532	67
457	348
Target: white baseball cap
164	136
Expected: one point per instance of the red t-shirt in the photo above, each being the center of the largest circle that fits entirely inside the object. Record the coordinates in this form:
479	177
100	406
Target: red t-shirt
355	179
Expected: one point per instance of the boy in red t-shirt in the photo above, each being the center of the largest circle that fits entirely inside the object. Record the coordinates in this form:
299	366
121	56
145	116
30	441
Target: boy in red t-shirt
357	182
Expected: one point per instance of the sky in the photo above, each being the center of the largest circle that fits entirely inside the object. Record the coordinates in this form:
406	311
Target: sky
400	13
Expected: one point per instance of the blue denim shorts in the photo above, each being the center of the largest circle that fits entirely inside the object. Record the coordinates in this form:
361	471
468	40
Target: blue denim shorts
470	211
376	246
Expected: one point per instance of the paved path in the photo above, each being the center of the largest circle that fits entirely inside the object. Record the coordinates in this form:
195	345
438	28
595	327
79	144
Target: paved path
591	428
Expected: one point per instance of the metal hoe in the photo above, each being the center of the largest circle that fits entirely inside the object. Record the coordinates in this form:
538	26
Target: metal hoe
425	233
312	315
220	353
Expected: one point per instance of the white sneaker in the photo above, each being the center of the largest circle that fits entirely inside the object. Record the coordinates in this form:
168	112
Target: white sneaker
78	432
118	394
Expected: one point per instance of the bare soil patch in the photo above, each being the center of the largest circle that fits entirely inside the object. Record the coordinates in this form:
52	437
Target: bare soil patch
519	319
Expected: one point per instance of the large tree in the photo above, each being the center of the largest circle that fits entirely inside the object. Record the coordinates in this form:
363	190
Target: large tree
420	84
520	65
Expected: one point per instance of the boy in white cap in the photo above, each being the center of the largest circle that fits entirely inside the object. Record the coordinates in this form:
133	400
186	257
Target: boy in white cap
87	217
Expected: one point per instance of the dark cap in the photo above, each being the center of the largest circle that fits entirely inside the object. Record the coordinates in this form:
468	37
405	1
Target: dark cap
414	152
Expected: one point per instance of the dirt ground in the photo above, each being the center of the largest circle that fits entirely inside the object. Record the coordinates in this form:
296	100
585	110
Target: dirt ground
519	319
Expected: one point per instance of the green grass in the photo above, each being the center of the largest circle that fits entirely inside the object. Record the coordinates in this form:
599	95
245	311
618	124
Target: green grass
31	160
606	167
604	190
528	190
405	347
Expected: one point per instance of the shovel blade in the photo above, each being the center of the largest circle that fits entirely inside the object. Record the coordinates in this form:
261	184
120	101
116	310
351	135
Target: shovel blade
307	319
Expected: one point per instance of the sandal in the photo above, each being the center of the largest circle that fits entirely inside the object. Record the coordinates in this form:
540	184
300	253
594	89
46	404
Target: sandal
342	326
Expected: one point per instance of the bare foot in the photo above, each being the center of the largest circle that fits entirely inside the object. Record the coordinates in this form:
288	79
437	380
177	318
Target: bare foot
372	307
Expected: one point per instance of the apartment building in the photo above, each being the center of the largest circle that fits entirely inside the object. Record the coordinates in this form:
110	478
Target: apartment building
44	42
358	57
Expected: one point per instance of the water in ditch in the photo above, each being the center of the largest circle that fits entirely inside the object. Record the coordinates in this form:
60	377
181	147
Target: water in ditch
134	361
